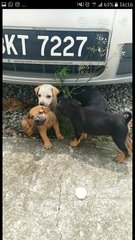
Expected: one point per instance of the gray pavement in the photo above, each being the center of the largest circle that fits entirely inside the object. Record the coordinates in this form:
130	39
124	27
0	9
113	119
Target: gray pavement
39	201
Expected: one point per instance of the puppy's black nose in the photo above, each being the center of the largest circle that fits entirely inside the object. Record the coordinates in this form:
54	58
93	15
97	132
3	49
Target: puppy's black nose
41	103
38	121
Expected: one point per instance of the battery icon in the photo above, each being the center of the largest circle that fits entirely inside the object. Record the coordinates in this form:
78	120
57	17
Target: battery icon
116	4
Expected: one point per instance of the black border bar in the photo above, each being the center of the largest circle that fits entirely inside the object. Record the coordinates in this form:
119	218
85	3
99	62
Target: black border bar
66	4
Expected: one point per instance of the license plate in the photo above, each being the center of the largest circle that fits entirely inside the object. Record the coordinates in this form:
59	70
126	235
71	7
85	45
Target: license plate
52	46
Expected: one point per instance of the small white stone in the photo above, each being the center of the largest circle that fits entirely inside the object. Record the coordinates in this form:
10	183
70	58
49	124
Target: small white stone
80	193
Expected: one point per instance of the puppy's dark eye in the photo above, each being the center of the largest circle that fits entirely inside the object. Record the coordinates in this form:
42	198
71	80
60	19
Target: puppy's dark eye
48	96
41	112
31	117
39	95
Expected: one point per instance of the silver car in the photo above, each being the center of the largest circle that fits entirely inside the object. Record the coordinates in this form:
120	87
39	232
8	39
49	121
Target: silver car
93	46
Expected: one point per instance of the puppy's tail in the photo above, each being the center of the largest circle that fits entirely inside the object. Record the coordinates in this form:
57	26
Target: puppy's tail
127	116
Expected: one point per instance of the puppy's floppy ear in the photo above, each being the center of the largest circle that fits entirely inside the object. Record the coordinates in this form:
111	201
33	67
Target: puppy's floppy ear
55	91
46	109
37	90
27	116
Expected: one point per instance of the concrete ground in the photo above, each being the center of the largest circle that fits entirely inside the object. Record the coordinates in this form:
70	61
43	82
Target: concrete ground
39	201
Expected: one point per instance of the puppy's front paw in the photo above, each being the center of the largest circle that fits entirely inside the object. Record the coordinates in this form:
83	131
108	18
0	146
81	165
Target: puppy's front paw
84	136
60	137
74	143
48	145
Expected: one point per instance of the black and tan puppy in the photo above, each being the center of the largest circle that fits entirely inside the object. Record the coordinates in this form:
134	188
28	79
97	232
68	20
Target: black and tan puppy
98	123
41	118
91	98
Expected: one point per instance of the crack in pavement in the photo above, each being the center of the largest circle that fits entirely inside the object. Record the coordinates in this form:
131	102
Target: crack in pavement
59	202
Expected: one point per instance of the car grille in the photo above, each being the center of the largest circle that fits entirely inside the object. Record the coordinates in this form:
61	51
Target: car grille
52	69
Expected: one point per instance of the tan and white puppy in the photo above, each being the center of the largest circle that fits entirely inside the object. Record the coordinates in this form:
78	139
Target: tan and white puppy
47	95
